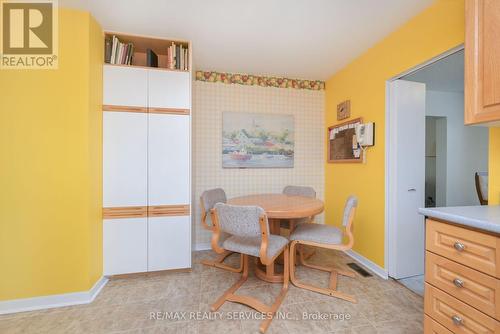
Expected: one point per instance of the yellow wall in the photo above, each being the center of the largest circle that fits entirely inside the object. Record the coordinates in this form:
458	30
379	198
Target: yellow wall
494	167
50	158
434	31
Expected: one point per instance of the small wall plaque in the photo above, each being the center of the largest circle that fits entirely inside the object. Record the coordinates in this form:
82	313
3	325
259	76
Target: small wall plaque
343	110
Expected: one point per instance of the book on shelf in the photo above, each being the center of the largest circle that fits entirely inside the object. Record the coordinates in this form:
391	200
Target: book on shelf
107	50
151	58
177	57
174	57
117	52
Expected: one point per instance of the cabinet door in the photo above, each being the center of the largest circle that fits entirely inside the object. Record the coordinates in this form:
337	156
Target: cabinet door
125	159
482	61
169	159
169	243
125	245
125	86
169	89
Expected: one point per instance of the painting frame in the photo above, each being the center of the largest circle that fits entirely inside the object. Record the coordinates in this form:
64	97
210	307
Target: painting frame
252	140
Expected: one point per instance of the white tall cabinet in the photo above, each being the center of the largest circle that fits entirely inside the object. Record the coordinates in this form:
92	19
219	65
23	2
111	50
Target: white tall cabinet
146	169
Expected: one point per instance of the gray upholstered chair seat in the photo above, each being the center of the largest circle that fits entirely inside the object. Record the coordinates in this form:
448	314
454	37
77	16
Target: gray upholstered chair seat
319	233
223	237
251	245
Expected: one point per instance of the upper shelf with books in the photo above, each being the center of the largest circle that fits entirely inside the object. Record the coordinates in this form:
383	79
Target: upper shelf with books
133	50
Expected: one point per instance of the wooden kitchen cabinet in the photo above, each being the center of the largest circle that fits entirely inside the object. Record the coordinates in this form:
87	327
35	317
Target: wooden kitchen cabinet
482	62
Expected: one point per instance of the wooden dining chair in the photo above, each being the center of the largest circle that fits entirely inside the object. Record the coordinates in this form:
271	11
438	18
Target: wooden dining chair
298	191
249	230
481	180
329	237
290	224
208	200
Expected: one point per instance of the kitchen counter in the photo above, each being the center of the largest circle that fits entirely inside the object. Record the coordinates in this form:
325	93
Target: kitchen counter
486	218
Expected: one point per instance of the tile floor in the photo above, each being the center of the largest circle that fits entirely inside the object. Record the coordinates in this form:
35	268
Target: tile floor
415	284
125	305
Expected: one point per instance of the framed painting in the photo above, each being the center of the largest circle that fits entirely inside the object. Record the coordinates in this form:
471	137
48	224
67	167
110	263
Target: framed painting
257	140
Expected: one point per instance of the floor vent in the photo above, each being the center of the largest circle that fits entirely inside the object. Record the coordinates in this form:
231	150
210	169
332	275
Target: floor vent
359	270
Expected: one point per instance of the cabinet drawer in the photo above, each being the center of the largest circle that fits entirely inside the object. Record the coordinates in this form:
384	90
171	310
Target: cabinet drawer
476	289
471	248
433	327
456	315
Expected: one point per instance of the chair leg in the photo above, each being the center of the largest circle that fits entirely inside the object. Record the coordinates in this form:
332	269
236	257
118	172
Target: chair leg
264	325
334	272
219	263
331	291
270	311
303	256
222	299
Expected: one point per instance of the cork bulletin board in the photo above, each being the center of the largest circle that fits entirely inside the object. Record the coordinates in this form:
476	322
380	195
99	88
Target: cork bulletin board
340	140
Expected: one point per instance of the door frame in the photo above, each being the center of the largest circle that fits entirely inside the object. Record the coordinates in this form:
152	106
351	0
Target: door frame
388	210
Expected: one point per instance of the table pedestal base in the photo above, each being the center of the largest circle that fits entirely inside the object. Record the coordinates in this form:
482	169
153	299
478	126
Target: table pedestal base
267	273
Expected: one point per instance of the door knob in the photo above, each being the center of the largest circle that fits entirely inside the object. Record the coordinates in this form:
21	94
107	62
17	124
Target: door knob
412	189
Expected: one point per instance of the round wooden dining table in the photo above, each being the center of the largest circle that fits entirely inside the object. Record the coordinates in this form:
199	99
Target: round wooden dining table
279	207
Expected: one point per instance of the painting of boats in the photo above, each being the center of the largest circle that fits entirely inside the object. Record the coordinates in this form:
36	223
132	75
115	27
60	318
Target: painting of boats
257	140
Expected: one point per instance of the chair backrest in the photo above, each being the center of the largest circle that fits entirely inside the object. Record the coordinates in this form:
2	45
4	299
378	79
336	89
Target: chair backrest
481	179
208	200
350	204
299	191
241	221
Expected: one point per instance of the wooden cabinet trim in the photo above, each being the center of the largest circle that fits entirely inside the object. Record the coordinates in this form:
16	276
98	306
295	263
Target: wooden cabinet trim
151	110
482	61
172	111
468	285
124	212
433	327
481	252
109	107
442	307
145	211
168	210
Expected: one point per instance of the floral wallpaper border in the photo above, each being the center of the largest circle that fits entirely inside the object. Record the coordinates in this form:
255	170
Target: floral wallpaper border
256	80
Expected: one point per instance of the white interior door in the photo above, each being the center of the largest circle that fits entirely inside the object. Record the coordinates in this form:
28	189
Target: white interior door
406	178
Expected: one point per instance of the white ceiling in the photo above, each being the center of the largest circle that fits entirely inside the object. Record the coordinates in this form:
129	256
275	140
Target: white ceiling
309	39
445	75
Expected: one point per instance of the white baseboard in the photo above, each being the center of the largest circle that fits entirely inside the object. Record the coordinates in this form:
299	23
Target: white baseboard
202	246
66	299
372	266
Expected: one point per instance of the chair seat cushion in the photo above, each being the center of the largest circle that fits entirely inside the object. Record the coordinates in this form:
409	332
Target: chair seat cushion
251	245
222	237
323	234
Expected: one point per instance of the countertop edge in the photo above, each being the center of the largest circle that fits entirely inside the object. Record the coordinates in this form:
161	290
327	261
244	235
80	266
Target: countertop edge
461	220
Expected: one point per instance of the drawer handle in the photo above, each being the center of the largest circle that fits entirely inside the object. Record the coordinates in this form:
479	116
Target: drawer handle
457	320
459	246
458	283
